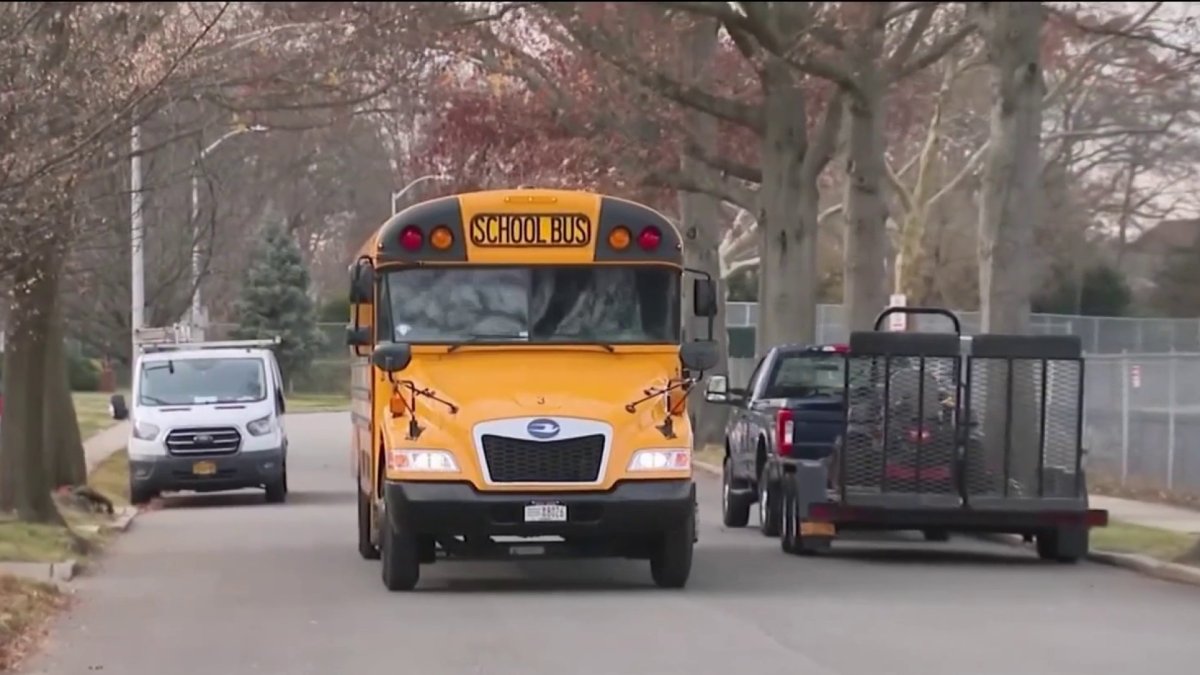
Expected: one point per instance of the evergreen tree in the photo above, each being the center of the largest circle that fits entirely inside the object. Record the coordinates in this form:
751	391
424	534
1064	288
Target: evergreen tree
274	300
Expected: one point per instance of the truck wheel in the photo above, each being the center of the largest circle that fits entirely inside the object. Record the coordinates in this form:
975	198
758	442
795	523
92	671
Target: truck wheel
769	511
400	555
790	541
366	549
1064	545
671	562
735	507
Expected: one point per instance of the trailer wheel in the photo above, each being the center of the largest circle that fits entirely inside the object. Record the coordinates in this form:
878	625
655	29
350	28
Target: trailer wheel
1065	545
735	507
671	561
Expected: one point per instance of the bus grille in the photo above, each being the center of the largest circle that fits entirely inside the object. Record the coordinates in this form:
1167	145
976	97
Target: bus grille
572	460
204	441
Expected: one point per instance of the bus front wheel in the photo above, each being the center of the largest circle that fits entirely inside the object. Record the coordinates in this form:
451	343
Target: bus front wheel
400	555
671	561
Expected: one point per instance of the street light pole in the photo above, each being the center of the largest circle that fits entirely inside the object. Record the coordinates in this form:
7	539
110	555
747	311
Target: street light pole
197	319
411	185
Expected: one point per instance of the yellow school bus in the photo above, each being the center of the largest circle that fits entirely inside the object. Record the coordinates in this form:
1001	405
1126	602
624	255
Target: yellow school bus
520	382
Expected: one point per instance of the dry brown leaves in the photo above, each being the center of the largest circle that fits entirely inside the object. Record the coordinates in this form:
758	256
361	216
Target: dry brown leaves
26	608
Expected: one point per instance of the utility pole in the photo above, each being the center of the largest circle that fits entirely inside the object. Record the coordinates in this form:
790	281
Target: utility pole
137	236
197	319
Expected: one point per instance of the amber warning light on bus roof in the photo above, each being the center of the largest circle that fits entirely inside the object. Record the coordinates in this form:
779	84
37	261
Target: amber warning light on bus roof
648	239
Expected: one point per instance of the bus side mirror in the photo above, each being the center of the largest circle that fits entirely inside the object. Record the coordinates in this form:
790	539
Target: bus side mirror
700	355
362	282
392	357
704	298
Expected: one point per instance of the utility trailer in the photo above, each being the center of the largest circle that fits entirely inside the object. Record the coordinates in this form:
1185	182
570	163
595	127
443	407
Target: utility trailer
945	433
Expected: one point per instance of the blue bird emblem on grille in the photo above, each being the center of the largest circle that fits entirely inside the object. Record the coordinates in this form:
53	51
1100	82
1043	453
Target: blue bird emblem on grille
543	428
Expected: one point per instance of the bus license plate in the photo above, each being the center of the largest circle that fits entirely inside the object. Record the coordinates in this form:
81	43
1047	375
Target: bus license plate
545	513
204	468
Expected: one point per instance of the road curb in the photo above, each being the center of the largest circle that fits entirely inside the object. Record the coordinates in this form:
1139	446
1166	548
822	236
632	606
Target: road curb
57	573
1135	562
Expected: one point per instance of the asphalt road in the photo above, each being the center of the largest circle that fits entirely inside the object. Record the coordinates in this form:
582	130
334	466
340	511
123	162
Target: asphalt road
228	584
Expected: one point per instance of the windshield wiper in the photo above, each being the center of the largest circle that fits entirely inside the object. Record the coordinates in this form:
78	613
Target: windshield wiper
481	337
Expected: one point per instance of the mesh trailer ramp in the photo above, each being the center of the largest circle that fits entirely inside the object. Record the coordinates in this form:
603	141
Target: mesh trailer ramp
944	433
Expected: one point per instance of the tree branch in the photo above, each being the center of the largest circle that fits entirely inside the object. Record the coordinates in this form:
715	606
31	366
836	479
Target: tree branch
940	48
723	164
651	78
705	185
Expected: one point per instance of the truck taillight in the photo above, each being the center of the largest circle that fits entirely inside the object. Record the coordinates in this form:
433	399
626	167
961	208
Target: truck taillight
784	428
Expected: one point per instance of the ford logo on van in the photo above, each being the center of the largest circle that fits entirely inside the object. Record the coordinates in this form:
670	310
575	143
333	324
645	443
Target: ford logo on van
543	428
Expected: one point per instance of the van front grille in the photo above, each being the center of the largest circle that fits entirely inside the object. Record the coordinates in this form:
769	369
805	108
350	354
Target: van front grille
204	441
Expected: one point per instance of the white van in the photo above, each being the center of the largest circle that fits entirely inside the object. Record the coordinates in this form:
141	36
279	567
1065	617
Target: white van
206	417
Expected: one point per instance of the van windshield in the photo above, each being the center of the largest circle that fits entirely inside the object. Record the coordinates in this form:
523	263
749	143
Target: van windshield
202	381
609	304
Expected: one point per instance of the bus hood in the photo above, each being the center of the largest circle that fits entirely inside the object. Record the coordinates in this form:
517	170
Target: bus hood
488	384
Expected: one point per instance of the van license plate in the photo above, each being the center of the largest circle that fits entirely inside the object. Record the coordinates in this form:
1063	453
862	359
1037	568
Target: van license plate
204	468
545	513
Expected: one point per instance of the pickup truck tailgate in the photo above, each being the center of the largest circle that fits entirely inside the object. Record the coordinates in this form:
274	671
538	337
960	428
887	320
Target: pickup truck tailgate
817	422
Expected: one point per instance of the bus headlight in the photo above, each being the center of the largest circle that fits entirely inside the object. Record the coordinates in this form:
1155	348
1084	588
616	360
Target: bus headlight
412	459
661	459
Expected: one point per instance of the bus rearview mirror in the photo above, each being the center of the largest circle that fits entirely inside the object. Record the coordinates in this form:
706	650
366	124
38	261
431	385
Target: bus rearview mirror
362	282
704	298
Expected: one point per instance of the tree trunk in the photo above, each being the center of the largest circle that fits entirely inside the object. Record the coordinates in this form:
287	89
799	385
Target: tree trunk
1010	203
787	217
866	245
66	464
1008	216
700	218
22	455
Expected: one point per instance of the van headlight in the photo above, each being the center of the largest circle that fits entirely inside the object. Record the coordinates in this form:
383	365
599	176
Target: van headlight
144	431
261	426
661	459
421	459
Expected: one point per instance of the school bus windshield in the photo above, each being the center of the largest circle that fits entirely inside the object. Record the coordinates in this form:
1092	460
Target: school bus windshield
610	304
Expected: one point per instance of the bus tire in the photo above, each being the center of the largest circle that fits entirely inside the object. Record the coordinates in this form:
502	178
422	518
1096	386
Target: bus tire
671	561
400	557
366	548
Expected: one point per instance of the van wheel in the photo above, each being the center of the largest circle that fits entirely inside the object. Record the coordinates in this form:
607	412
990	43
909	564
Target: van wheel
671	562
366	549
277	491
400	556
140	495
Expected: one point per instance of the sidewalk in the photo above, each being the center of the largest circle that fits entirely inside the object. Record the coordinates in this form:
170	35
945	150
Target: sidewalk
1147	514
97	448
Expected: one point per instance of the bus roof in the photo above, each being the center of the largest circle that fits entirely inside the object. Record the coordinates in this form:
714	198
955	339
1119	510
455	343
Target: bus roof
526	226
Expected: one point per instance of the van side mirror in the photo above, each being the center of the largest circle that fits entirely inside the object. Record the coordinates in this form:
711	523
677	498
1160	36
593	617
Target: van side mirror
362	282
392	357
704	298
700	355
280	405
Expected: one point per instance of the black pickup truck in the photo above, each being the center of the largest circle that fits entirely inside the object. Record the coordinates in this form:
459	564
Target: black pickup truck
793	406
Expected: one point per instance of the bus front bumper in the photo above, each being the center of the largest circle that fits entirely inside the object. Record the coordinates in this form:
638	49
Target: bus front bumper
457	508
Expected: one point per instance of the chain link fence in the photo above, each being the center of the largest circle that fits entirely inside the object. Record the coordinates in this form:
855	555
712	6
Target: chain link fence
1142	420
